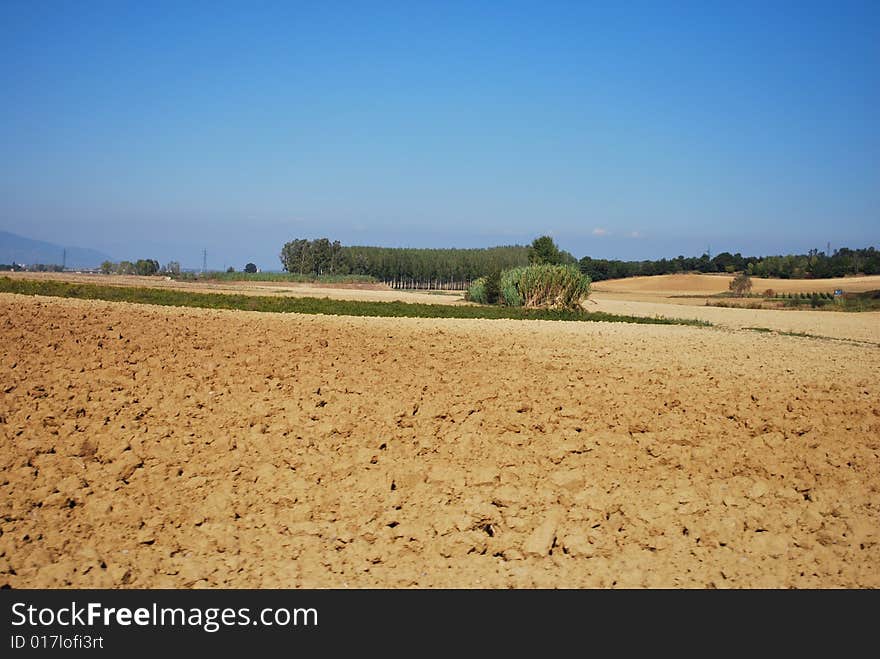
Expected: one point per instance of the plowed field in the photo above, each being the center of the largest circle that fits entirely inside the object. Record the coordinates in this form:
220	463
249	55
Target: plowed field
163	447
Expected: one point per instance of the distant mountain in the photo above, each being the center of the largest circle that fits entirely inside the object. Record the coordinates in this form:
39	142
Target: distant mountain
26	251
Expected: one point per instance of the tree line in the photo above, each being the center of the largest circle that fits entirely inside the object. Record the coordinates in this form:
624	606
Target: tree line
401	267
144	267
451	268
33	267
813	265
456	269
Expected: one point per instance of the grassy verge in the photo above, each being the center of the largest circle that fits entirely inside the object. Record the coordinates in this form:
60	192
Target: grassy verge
310	305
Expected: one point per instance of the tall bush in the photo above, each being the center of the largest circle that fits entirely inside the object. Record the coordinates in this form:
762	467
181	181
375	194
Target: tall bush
477	291
549	286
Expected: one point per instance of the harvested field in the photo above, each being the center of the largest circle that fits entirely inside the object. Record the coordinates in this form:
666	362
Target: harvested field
164	447
862	326
697	284
665	295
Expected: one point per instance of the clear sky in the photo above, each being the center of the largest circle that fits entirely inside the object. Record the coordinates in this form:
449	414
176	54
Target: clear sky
623	129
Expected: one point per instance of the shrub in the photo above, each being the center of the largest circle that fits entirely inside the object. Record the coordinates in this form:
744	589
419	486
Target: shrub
476	292
544	286
741	284
769	293
510	294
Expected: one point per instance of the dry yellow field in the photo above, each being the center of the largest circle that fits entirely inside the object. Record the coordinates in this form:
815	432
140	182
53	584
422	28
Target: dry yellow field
661	296
164	447
861	326
697	284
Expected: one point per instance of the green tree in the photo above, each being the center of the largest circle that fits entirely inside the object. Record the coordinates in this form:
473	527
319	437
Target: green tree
544	251
250	268
107	267
321	255
335	253
146	267
296	256
493	286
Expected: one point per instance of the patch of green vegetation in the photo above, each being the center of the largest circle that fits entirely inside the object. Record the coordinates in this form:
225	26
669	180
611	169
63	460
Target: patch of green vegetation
544	285
310	305
477	291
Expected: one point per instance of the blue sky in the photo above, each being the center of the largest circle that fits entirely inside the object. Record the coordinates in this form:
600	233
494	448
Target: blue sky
623	129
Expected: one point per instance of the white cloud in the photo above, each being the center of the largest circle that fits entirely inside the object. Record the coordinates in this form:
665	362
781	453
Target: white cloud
599	231
635	234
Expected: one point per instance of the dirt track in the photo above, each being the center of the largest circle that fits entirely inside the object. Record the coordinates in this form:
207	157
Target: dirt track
147	446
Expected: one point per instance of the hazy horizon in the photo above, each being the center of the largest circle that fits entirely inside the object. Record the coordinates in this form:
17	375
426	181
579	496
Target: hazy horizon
160	130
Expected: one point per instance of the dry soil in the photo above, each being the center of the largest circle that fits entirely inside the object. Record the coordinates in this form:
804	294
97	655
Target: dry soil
160	447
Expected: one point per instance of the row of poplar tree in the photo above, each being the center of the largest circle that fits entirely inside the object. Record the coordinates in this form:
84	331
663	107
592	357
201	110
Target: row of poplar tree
400	267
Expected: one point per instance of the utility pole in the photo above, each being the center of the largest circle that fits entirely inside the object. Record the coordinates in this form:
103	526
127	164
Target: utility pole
204	261
64	259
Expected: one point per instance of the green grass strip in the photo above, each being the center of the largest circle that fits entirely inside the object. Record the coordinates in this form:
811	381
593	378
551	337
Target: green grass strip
310	305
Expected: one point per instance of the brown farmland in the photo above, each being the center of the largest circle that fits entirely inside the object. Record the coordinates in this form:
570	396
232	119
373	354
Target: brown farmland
164	447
